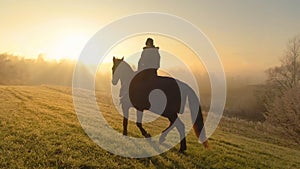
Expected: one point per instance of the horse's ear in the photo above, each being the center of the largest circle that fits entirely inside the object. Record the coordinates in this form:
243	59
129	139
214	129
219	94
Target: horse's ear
122	58
114	59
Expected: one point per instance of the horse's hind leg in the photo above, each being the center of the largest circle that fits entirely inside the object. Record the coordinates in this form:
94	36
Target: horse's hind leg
181	129
139	115
125	119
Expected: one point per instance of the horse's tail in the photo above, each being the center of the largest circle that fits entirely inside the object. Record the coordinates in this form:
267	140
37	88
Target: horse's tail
197	117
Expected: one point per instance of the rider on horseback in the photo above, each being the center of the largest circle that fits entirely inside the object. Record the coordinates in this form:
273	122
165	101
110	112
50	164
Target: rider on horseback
150	59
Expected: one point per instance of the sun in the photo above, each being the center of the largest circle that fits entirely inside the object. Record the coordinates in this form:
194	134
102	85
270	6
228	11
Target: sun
68	47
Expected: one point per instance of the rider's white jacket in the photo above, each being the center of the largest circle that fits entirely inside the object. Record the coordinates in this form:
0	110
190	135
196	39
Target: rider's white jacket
150	59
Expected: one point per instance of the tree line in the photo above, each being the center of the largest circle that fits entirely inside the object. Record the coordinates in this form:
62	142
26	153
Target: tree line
16	70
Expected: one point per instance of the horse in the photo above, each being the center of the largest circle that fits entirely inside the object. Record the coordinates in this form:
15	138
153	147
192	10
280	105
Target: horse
135	91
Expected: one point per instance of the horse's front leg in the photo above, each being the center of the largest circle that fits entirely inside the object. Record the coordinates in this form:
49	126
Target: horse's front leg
164	133
139	115
125	119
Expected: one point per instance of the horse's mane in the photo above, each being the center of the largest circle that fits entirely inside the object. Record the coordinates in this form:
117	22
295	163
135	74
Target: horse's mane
126	66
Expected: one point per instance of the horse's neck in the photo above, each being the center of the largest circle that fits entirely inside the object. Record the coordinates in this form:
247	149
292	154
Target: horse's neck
126	79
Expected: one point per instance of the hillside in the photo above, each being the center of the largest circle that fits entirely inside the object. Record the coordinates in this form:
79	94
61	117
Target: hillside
39	129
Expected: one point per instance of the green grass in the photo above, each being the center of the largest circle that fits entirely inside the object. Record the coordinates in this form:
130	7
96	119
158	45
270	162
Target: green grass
39	129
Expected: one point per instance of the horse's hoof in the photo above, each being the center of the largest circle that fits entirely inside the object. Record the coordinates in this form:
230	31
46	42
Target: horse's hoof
162	139
147	135
125	133
181	151
205	144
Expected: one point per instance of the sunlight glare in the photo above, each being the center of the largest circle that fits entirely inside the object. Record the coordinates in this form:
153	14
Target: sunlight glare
69	47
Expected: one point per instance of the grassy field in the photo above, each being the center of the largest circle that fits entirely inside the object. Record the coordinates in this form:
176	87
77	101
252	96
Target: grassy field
39	129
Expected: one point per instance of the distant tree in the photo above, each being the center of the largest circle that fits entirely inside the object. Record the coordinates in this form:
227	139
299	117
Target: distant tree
287	75
282	90
40	58
7	69
284	112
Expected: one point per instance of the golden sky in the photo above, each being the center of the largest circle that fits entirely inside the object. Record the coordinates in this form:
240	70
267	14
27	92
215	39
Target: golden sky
249	36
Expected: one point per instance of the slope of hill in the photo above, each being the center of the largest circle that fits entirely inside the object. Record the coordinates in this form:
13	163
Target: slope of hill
39	129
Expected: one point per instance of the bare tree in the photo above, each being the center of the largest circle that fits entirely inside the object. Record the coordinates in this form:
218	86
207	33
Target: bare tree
287	75
282	90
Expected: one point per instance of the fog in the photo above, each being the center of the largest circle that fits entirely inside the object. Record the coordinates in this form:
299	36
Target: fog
241	90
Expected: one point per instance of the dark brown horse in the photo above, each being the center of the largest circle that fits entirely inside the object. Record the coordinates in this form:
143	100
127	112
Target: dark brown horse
136	89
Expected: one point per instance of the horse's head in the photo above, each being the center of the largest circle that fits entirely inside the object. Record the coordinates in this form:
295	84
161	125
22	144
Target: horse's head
116	76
